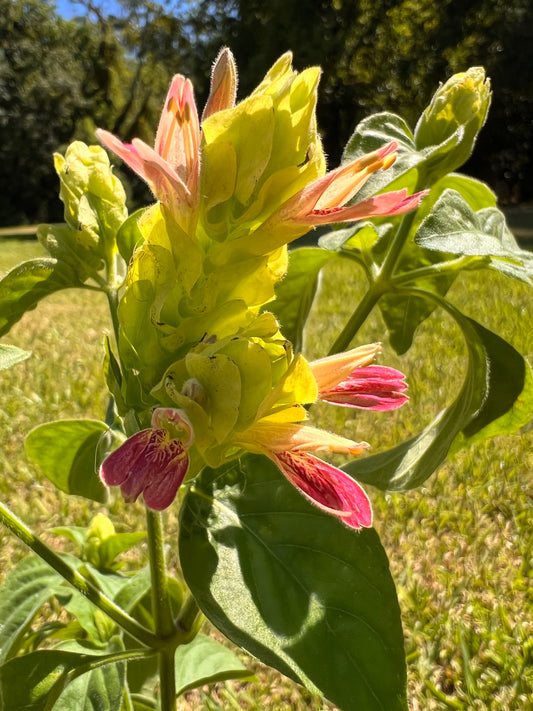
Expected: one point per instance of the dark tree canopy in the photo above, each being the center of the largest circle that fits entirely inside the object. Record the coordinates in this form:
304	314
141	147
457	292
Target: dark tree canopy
59	79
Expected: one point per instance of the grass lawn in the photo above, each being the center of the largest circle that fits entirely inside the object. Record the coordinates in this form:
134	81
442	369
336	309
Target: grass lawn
460	547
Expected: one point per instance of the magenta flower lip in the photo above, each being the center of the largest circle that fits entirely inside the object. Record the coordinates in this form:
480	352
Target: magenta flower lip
374	387
327	487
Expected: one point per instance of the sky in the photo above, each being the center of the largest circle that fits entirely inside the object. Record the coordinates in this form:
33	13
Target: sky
70	8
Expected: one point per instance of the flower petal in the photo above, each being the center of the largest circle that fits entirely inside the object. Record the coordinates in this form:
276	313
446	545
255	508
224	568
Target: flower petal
178	134
149	462
268	436
375	387
327	487
332	370
394	203
116	468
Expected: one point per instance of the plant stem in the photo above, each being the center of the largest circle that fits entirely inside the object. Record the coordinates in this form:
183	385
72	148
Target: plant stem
90	591
162	610
355	321
189	621
112	300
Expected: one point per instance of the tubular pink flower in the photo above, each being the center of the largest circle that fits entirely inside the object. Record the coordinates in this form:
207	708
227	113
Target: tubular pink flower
323	200
327	487
288	446
375	387
348	379
151	462
172	167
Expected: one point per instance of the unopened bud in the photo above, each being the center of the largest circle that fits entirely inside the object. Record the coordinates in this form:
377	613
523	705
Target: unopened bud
223	84
461	103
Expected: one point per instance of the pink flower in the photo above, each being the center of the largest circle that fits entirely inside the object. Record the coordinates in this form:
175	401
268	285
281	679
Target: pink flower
330	489
152	462
327	487
349	380
171	168
324	200
375	387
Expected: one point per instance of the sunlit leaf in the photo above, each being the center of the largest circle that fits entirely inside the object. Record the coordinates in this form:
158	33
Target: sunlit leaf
11	355
453	226
66	452
293	585
206	661
25	285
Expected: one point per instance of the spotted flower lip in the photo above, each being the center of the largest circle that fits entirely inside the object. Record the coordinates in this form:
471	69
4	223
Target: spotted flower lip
151	462
327	487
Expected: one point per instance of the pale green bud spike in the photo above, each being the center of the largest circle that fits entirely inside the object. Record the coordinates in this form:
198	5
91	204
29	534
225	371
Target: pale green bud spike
459	105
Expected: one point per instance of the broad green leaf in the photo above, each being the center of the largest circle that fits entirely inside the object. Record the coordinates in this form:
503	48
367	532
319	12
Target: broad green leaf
25	285
296	292
24	590
293	586
452	226
496	398
66	452
35	681
206	661
403	314
11	355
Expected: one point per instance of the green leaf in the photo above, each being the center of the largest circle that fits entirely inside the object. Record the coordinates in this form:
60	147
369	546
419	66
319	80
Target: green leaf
25	285
371	134
98	627
66	451
452	226
11	355
496	398
34	681
24	590
296	292
293	586
206	661
118	543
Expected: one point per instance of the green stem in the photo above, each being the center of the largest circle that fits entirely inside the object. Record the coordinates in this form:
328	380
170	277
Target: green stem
355	321
382	283
189	620
162	610
112	300
90	591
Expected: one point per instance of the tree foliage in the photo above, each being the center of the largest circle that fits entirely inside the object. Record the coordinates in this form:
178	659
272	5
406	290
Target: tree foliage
60	78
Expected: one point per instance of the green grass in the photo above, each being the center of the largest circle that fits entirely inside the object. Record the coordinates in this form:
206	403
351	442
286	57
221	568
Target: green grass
460	547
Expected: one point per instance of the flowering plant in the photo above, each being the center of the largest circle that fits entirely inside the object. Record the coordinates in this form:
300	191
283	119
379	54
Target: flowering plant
210	393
